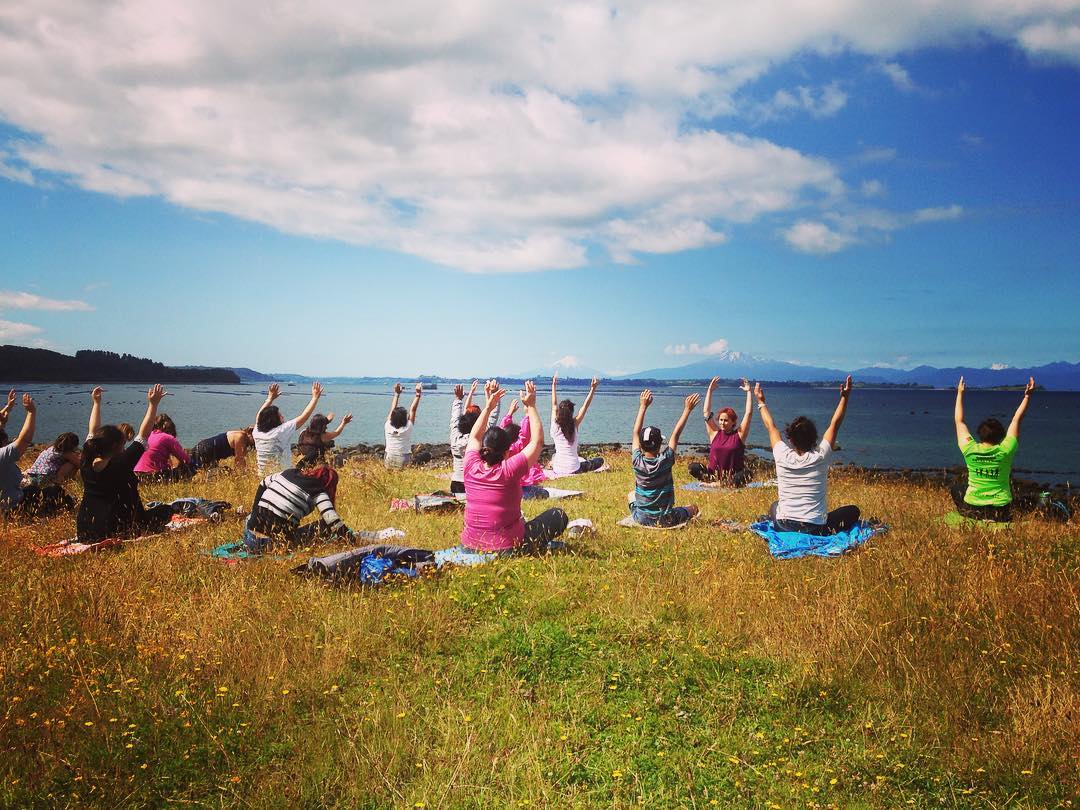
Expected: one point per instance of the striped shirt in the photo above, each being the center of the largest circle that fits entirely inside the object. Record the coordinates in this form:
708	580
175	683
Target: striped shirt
290	496
654	488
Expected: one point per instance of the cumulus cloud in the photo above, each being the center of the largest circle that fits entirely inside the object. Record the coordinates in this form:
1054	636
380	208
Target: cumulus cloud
821	102
898	75
816	237
10	330
484	136
10	299
709	349
1054	39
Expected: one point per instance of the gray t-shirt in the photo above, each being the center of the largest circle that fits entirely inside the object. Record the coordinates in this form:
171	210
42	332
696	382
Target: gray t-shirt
10	476
801	482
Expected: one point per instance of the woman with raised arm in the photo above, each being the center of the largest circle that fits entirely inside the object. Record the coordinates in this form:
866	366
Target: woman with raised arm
233	444
15	496
317	438
987	494
532	485
111	506
463	415
565	424
493	519
161	448
273	435
397	431
653	501
727	443
802	471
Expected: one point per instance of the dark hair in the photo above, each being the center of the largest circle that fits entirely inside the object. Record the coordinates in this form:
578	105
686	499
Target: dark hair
564	418
268	418
165	424
105	441
466	421
802	433
399	417
66	442
127	430
496	443
3	437
651	446
990	431
513	430
318	424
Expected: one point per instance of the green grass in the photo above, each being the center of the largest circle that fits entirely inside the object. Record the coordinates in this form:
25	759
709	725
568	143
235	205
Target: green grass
932	668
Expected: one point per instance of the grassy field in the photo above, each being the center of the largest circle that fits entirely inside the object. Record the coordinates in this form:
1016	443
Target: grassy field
933	667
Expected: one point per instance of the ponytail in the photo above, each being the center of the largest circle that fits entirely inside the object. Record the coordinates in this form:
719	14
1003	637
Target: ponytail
104	442
496	443
564	418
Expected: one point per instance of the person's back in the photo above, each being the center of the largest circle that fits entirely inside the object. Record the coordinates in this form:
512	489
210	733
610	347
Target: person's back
110	503
493	519
566	460
273	447
989	471
161	447
802	482
654	487
10	475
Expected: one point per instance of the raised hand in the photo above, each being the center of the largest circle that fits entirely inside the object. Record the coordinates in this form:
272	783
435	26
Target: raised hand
316	390
713	383
1029	387
155	394
960	386
95	395
10	398
759	393
28	403
513	407
346	419
845	389
274	391
398	389
595	382
528	396
646	398
744	386
495	396
472	388
329	416
691	402
459	391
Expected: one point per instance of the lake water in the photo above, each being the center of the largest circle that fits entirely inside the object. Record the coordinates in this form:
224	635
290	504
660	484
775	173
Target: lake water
888	428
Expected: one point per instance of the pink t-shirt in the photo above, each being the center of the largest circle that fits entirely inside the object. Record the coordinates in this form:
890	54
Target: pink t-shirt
160	447
493	520
536	476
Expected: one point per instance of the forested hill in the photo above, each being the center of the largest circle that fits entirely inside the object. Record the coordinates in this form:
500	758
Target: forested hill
19	363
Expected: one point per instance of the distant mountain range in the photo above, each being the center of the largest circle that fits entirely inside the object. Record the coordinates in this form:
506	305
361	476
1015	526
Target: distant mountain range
1060	376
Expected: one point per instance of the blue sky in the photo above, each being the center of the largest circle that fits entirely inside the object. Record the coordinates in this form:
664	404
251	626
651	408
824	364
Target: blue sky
626	188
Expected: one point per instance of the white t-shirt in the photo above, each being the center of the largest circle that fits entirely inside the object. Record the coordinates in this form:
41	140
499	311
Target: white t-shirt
398	444
273	449
566	460
801	482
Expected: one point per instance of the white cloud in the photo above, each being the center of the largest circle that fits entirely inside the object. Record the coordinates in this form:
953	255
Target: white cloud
10	299
569	361
9	330
816	237
937	214
876	154
999	366
820	103
898	75
709	349
872	188
485	136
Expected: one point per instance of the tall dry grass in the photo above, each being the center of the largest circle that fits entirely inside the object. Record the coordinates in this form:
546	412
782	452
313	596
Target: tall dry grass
684	667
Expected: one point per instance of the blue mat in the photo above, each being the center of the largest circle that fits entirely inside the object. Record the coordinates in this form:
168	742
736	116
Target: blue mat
701	486
791	545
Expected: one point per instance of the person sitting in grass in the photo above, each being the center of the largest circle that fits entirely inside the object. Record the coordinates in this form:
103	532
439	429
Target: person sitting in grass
57	463
161	448
273	435
653	499
565	425
318	438
802	472
493	518
285	498
111	506
520	435
233	444
463	415
16	496
727	442
398	431
987	493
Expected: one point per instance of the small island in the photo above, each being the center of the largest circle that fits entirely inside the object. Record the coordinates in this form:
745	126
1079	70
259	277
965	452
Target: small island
19	363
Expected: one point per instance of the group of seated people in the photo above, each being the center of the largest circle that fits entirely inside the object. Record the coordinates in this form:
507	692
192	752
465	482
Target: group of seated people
495	464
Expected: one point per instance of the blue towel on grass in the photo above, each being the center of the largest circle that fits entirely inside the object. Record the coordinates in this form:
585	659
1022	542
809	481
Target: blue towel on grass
790	545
